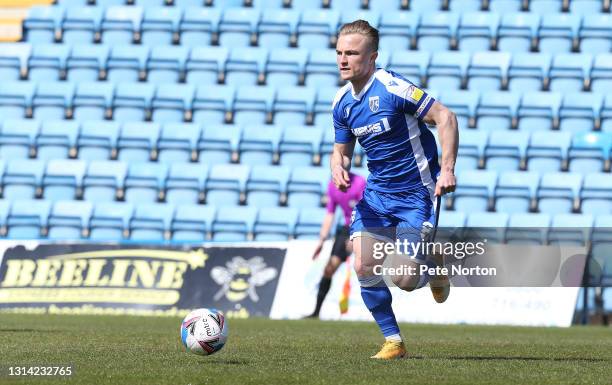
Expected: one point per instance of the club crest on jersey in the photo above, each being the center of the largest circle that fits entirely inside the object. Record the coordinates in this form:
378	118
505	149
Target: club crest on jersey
374	103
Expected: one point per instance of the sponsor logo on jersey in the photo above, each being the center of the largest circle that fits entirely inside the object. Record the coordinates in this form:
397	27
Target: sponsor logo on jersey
374	128
415	93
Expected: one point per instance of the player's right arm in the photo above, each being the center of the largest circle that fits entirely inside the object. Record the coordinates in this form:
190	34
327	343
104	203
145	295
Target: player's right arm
341	164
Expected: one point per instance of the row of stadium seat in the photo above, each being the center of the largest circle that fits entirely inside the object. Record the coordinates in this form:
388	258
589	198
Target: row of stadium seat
482	71
312	29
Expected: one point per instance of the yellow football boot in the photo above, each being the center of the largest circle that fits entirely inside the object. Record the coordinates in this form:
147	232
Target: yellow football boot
439	284
391	350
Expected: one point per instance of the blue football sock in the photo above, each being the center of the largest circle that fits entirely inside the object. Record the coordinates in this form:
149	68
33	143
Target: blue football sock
377	299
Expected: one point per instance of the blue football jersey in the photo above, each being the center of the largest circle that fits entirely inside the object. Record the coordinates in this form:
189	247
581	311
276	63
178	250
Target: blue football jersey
386	118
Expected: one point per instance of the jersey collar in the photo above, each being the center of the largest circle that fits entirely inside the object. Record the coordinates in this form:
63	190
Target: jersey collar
365	88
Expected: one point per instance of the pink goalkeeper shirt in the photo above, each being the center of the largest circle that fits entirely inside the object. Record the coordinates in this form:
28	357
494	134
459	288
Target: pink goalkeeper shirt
346	200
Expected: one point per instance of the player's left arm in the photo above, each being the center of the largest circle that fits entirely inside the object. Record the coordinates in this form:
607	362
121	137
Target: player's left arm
448	132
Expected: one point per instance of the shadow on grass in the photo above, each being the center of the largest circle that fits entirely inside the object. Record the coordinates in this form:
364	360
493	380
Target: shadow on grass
518	358
230	362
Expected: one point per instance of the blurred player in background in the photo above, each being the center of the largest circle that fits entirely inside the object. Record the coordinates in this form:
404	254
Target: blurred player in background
388	115
342	247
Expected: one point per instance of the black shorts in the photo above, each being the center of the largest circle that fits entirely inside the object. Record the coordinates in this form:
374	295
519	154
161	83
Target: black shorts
339	248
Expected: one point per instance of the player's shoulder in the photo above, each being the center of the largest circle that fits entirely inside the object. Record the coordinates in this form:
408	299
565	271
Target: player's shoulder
340	94
392	81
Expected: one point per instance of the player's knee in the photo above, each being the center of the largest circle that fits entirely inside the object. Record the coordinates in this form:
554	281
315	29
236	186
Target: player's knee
329	270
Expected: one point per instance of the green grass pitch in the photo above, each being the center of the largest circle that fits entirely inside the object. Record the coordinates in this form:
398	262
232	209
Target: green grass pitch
143	350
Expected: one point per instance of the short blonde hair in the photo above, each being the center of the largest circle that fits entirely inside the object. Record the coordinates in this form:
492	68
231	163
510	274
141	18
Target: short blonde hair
361	27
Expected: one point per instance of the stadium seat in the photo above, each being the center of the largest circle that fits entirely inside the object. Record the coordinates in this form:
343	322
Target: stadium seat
601	74
558	32
488	71
580	111
104	181
218	143
548	151
127	63
411	64
465	5
160	24
178	142
595	32
245	66
528	71
43	24
238	26
506	150
132	101
212	104
47	62
463	104
51	100
321	68
558	192
586	7
253	105
151	222
5	207
497	110
474	190
529	229
233	223
199	25
606	114
226	184
259	144
316	28
63	179
22	179
327	145
589	152
286	66
539	111
98	140
145	181
293	105
15	99
570	229
120	25
69	220
544	7
86	62
172	102
110	221
192	223
309	222
387	5
447	70
299	145
267	186
350	14
206	65
323	106
505	6
166	64
27	219
80	24
275	223
138	141
306	186
471	149
111	3
477	30
277	28
595	196
397	30
14	60
92	100
17	138
186	183
437	31
517	31
489	226
515	191
570	72
57	139
344	5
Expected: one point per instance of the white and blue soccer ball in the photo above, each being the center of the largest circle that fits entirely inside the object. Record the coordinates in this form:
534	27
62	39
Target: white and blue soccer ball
204	331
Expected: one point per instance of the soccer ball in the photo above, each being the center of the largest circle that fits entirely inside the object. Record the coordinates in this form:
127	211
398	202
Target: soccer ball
204	331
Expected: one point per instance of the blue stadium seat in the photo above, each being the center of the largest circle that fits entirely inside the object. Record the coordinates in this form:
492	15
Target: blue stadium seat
219	143
267	186
323	106
590	151
321	68
506	150
474	190
606	114
186	183
226	184
387	5
411	64
137	141
515	191
43	24
344	5
110	3
52	99
47	62
524	228
596	194
497	110
27	219
558	192
127	63
316	28
145	181
104	180
151	222
132	101
286	66
80	24
477	30
463	103
505	6
586	7
253	105
539	111
245	66
178	142
212	104
110	221
327	145
198	26
517	31
580	111
303	5
309	222
570	72
426	5
86	62
558	32
69	220
293	105
192	223
259	144
22	179
277	28
63	179
547	151
306	186
275	223
471	149
349	14
17	138
233	223
465	5
489	226
488	71
57	139
299	145
397	30
98	140
268	5
570	229
14	60
238	26
206	65
160	24
121	24
92	100
166	64
437	30
447	70
595	32
172	102
528	71
15	99
544	7
452	220
601	75
5	207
